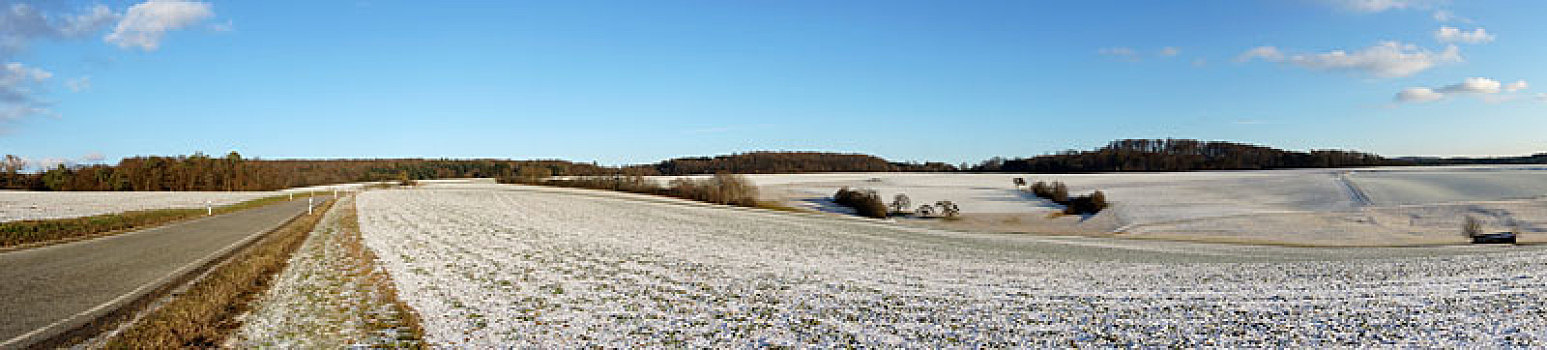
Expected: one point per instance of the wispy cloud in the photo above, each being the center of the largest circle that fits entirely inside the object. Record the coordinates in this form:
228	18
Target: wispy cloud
1122	53
1488	90
1387	59
19	89
1447	34
142	26
78	84
1377	6
145	24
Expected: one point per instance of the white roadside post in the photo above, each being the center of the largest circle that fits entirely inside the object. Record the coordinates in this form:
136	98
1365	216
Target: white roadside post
309	205
292	195
209	208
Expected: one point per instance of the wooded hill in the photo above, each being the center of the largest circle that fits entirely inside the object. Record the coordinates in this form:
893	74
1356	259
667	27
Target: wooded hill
789	162
1182	155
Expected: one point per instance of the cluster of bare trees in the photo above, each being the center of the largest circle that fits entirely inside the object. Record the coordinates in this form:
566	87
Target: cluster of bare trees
723	188
865	202
1057	192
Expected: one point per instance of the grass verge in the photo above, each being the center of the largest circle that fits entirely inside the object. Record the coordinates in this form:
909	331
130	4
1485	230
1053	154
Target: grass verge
204	314
29	233
404	324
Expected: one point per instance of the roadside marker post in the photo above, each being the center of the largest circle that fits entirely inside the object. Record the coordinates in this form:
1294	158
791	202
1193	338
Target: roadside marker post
292	195
209	208
309	205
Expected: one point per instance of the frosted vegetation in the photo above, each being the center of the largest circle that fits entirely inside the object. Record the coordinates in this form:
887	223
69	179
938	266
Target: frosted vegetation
511	266
328	297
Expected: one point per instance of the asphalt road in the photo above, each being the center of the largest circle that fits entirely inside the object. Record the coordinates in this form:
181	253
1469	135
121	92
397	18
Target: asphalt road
65	284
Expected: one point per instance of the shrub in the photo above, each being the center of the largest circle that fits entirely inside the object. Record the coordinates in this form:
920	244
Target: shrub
1060	193
1471	227
730	189
1041	189
864	201
1094	203
948	209
900	203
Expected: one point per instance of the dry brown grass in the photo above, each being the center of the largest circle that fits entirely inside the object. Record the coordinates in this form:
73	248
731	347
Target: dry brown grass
363	260
204	314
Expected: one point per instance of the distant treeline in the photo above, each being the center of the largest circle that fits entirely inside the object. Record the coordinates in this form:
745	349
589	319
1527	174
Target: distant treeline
789	162
1539	158
1181	155
234	173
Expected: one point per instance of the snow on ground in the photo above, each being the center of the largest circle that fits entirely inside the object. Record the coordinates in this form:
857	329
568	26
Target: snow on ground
1452	185
1360	206
326	298
38	205
512	266
30	205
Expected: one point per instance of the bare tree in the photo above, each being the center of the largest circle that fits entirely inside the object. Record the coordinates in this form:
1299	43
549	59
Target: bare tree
1471	227
12	164
900	202
948	209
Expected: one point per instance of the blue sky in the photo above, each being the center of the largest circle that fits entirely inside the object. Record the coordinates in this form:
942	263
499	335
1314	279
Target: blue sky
640	81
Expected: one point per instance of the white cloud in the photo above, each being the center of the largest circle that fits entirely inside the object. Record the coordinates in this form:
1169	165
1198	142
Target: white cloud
50	163
1517	86
1169	51
1448	34
18	91
78	84
1267	53
145	24
1473	86
1489	90
90	21
21	24
1387	59
1419	94
93	157
1541	96
1124	53
1443	15
1199	62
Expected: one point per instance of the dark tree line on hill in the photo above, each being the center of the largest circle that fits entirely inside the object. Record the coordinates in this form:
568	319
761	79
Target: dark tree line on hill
789	162
1182	155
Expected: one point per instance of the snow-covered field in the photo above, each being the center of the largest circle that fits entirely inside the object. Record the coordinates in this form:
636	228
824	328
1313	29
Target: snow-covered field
39	205
512	266
1398	205
30	205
